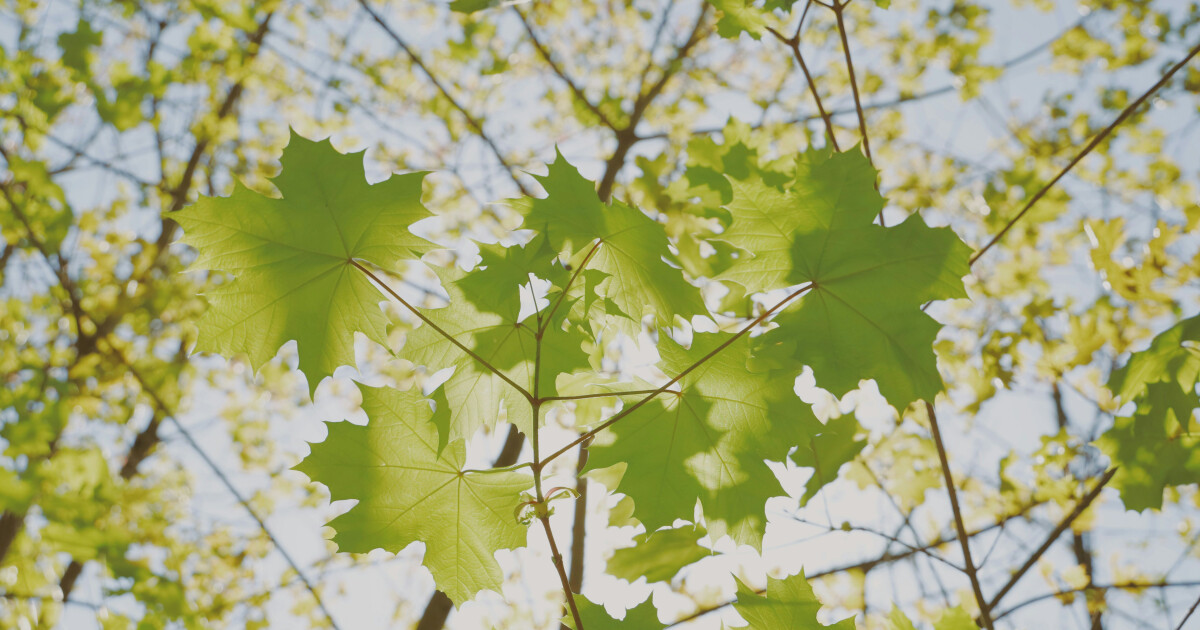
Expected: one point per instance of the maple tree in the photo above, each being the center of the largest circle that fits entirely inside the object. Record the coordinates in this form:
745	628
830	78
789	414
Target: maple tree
504	311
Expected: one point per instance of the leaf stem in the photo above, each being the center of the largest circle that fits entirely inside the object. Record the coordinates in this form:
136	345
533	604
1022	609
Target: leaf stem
636	392
984	608
383	285
628	410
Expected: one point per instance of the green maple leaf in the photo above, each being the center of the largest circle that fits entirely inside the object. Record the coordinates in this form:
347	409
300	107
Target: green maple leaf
495	285
1171	358
951	619
1157	446
659	555
789	605
631	248
863	318
477	393
408	492
641	617
291	258
709	442
826	452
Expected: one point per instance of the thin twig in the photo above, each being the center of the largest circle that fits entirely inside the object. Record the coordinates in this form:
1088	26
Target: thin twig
562	573
885	559
225	480
793	43
1096	587
838	9
472	121
1086	150
1188	615
560	72
636	392
1062	527
984	614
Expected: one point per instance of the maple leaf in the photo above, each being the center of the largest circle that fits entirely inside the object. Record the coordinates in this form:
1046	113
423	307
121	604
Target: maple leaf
291	258
863	318
658	555
789	605
641	617
826	452
407	492
1157	446
708	441
630	247
951	619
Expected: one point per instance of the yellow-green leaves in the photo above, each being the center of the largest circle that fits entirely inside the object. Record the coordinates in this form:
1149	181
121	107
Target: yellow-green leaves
863	317
789	605
407	492
293	258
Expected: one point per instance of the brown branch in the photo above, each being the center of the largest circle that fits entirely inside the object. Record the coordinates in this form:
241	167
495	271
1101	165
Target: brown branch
1079	546
1097	587
167	412
1128	111
1062	526
474	123
964	542
628	137
562	572
793	43
839	9
1188	615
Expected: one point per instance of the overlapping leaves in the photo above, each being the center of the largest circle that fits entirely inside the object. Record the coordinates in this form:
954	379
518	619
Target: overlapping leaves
862	318
1157	446
529	314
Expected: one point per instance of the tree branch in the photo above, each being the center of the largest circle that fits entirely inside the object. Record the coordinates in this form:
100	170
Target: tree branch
1086	150
838	9
1062	527
561	73
473	122
964	542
